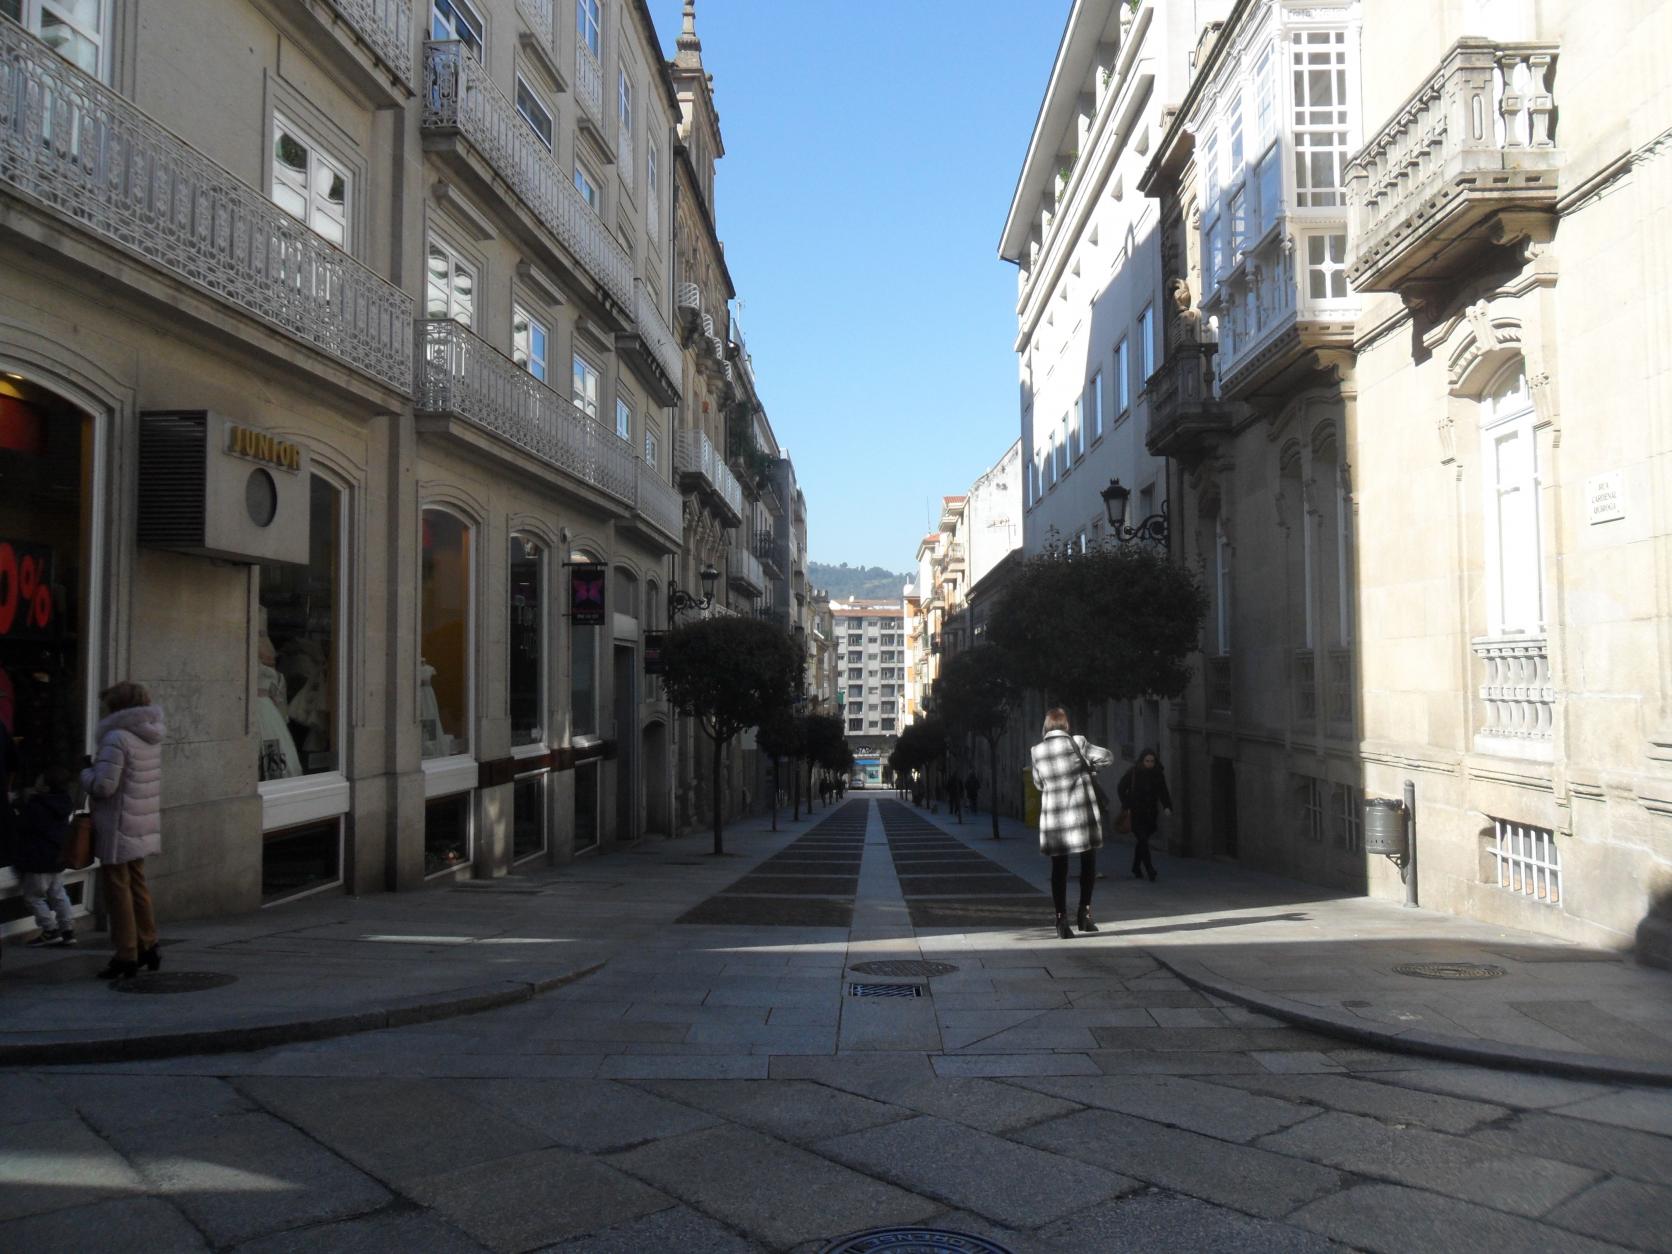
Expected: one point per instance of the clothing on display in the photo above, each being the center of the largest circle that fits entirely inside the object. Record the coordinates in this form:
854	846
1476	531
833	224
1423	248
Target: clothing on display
279	759
437	743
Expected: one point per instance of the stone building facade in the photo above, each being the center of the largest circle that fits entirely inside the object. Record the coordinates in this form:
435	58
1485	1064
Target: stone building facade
388	291
1434	557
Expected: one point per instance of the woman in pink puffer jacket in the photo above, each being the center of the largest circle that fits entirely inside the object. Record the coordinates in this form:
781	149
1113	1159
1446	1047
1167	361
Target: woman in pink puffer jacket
125	786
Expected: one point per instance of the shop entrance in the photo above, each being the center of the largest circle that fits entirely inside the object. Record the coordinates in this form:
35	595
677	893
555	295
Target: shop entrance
626	742
47	513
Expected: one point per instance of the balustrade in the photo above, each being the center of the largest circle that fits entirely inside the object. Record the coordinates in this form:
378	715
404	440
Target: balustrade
1476	139
659	501
697	458
541	16
1519	697
92	158
653	329
1219	686
461	374
1304	672
386	28
459	96
745	570
589	82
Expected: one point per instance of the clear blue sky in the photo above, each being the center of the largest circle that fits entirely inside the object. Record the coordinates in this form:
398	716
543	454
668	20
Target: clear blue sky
871	153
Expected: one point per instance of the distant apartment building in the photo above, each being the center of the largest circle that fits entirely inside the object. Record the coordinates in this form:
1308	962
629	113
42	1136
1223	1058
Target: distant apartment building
871	664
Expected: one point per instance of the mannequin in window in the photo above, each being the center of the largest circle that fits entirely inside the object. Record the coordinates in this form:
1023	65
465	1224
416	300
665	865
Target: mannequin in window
279	759
437	743
303	664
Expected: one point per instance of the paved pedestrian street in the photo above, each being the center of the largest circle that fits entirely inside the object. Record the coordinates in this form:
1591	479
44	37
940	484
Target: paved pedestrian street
719	1084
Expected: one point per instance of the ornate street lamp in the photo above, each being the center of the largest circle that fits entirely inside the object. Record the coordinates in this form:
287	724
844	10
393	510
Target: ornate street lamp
1152	529
681	601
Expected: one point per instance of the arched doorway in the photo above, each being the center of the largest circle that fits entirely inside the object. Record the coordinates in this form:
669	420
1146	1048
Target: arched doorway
658	811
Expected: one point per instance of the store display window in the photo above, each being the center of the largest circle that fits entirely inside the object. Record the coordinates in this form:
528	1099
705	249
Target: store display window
586	805
526	632
301	859
528	816
444	689
297	649
447	833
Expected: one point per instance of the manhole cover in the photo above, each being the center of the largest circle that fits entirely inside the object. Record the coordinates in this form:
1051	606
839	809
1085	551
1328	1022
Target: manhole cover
912	1241
885	990
903	966
175	982
1451	970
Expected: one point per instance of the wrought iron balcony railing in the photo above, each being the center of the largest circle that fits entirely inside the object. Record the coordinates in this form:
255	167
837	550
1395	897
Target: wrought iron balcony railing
653	329
658	501
700	465
744	571
87	155
385	26
1475	141
589	83
541	16
461	374
460	97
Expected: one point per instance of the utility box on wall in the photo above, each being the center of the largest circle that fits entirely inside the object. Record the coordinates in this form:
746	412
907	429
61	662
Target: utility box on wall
216	488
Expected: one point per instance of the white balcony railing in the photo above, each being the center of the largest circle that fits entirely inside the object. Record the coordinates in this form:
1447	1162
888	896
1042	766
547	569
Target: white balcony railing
459	96
746	568
459	373
659	501
70	144
697	456
541	16
589	81
1519	696
654	330
386	28
687	303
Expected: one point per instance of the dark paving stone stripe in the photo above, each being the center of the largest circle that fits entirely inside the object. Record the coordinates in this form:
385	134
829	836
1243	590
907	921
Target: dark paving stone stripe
811	882
966	886
947	884
994	913
771	912
791	886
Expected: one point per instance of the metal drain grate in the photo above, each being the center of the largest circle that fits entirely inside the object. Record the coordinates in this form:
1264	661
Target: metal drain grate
885	990
913	1241
902	966
1451	970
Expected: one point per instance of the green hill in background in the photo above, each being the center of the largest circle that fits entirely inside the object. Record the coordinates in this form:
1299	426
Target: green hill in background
844	581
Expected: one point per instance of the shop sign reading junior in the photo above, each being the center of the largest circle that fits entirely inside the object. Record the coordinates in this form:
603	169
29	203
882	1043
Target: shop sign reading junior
259	446
26	605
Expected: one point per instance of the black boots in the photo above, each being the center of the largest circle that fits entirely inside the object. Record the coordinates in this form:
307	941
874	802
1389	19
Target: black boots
1084	922
1064	932
117	971
150	959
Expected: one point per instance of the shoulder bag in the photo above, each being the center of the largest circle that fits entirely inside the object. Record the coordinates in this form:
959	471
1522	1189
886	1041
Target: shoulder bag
78	843
1097	790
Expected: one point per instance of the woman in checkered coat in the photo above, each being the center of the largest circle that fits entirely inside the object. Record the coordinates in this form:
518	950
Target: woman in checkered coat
1069	822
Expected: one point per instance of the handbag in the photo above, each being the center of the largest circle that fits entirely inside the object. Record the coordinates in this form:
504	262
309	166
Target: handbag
78	842
1097	790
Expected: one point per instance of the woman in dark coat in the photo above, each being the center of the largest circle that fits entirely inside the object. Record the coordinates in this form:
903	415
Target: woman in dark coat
1143	792
1069	822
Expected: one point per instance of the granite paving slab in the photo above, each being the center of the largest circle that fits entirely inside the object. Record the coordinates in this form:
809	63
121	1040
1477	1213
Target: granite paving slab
387	1232
137	1225
1009	1183
792	1110
676	1230
1645	1110
1156	1222
1387	1102
33	1179
1603	1147
1627	1212
1196	1105
1389	1219
769	1189
594	1116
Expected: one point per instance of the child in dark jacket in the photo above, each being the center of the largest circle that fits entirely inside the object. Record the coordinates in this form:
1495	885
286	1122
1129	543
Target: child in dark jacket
42	827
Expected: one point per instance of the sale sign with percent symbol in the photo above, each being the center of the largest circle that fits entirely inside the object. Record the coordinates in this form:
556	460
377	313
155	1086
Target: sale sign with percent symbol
26	605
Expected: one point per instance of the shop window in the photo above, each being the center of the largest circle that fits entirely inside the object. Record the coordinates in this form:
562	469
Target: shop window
528	816
296	653
299	860
444	663
586	805
526	630
447	833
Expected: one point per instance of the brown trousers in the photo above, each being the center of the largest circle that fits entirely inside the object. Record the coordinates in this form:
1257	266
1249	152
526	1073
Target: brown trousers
128	900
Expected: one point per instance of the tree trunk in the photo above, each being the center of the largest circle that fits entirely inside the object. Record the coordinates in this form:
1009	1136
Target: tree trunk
795	766
993	783
774	793
719	814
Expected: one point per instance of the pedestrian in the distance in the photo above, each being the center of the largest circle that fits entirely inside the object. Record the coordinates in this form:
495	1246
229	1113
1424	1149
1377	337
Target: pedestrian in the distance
43	824
955	796
972	786
1069	822
124	784
1143	792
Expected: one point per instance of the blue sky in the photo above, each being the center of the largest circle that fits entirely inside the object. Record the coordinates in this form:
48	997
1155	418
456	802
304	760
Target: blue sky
871	153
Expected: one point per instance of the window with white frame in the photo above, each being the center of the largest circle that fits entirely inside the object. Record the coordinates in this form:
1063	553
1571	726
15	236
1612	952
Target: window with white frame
586	183
1060	442
528	342
652	194
77	30
1076	432
1123	377
1514	554
624	104
1094	406
588	24
1237	213
1326	267
584	386
450	285
1233	144
624	420
1210	174
533	111
1146	333
309	185
1319	61
1265	101
651	444
457	19
1309	807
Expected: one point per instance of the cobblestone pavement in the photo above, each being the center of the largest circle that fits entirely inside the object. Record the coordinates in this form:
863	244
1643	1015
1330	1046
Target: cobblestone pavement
715	1086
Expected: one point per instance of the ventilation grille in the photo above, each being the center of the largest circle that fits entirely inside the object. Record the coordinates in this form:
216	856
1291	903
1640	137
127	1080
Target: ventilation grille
172	482
885	990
